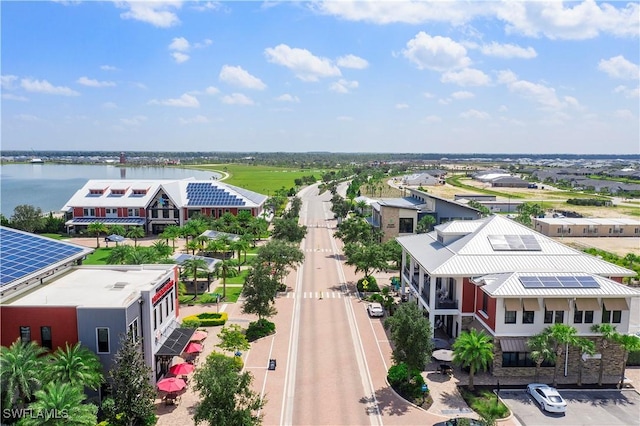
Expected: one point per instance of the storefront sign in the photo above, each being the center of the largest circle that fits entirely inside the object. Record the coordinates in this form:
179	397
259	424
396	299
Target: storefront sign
162	291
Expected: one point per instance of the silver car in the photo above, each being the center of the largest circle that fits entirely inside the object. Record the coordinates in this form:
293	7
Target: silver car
547	398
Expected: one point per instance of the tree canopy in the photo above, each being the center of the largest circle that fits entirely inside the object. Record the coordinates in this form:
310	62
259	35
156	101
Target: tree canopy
411	336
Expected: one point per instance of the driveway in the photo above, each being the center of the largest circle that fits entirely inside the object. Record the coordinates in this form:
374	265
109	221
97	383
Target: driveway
584	407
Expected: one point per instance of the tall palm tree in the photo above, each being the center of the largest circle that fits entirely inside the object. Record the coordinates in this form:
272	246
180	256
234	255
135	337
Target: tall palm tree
628	343
560	335
473	349
119	255
136	232
195	264
238	246
171	232
541	351
162	249
21	366
76	365
141	256
607	335
223	269
193	246
96	229
61	397
585	346
117	230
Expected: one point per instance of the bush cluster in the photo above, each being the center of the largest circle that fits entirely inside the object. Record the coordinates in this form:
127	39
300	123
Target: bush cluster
586	202
407	383
205	319
372	284
260	328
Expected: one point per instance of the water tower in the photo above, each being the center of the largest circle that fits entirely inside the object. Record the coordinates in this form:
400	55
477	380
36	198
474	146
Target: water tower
123	159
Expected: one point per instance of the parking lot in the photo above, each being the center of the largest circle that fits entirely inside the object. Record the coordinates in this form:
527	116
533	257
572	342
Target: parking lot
584	407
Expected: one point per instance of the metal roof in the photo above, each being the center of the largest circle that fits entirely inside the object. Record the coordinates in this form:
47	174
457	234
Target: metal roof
473	255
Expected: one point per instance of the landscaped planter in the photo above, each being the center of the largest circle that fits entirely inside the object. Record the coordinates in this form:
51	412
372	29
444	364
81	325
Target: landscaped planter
205	319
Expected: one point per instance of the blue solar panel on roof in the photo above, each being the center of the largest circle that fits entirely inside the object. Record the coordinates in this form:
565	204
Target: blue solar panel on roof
22	254
560	281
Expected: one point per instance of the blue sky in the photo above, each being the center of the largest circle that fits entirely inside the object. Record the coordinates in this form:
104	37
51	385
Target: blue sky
365	76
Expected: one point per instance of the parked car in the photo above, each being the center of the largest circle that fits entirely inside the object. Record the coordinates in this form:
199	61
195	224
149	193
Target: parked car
463	421
547	397
375	310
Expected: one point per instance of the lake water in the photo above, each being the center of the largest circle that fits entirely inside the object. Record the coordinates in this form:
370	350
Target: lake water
50	186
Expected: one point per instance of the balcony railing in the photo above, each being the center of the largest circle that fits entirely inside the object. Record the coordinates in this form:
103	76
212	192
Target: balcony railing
446	304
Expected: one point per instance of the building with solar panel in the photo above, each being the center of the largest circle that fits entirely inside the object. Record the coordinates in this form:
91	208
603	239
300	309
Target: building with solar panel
46	296
156	204
501	277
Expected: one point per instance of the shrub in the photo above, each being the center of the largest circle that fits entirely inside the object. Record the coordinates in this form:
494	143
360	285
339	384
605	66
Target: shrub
372	284
206	319
260	328
397	374
190	322
239	363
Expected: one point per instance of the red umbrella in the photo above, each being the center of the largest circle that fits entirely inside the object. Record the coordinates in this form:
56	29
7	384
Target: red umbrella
182	368
193	348
171	384
199	335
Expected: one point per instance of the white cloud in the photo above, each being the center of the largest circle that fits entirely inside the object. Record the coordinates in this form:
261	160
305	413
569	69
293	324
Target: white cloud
402	106
462	95
619	67
503	108
474	113
624	114
86	81
237	76
543	95
305	65
43	86
569	20
237	99
211	90
26	117
108	68
198	119
202	44
343	86
466	77
157	13
432	119
287	98
109	105
184	101
628	92
180	44
202	6
7	82
134	121
12	97
344	118
436	53
352	61
508	51
180	57
428	95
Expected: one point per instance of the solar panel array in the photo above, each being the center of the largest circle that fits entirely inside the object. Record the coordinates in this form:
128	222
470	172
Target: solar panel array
23	254
560	281
206	194
514	243
180	258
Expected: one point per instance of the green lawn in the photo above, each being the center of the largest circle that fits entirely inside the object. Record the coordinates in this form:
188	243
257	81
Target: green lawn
56	236
98	257
240	279
233	293
261	179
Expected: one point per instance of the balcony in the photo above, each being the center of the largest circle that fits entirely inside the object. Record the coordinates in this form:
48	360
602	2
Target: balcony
446	304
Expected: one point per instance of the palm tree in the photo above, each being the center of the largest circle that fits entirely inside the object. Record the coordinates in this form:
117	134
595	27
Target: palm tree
192	245
585	346
473	349
540	351
195	264
172	233
61	397
628	343
162	249
224	269
141	256
238	246
559	336
96	229
117	230
119	255
20	371
425	224
136	232
607	335
75	365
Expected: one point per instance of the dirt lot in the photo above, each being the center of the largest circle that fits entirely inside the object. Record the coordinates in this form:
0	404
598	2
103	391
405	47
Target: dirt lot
620	246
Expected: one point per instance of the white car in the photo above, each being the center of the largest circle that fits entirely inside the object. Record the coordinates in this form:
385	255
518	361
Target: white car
375	310
547	397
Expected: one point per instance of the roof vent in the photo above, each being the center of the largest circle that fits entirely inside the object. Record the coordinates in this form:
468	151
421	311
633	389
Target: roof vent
120	285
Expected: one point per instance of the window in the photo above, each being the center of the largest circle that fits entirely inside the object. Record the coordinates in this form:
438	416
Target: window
521	359
607	317
485	302
102	337
405	225
45	337
89	212
155	320
166	306
133	330
559	317
171	298
588	317
528	317
25	334
553	317
583	316
509	317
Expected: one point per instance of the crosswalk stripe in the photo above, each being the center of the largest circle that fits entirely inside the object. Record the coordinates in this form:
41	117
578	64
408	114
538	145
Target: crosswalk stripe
317	294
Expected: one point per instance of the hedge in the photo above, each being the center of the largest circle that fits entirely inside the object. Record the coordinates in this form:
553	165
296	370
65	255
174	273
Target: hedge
205	319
